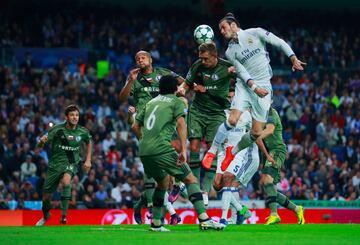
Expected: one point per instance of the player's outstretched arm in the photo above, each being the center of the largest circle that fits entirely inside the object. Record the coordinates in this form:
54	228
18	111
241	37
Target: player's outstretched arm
87	164
183	89
181	129
125	91
262	148
297	64
137	129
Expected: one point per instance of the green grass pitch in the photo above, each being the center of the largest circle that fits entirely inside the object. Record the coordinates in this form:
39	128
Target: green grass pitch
183	234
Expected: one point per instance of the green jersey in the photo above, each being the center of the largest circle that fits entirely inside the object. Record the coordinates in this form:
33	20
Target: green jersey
275	141
158	120
65	144
216	81
146	87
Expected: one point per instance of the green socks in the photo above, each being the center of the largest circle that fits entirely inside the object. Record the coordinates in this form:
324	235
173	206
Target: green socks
65	198
271	198
158	210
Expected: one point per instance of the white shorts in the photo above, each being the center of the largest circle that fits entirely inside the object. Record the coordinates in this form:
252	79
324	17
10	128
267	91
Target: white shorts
246	99
244	165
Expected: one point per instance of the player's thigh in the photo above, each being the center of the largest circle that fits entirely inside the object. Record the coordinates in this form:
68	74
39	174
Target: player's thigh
71	169
241	100
254	160
195	124
213	122
52	180
274	169
260	106
242	162
167	162
152	172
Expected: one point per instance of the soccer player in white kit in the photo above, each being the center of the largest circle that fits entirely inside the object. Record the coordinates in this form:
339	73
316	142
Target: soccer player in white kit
247	52
241	169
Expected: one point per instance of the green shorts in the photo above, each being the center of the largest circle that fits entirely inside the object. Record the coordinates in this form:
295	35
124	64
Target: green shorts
274	170
54	175
159	166
202	125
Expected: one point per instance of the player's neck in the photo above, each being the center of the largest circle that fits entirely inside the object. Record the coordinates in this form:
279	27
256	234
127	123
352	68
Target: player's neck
70	125
147	70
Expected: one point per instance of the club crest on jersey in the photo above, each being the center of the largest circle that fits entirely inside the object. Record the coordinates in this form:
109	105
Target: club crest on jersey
78	138
158	77
214	77
250	41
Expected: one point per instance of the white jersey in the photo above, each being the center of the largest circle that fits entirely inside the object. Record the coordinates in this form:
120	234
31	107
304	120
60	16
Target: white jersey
246	162
249	56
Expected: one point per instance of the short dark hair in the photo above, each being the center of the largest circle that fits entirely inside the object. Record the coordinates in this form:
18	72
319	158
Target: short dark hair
208	47
71	108
230	18
168	84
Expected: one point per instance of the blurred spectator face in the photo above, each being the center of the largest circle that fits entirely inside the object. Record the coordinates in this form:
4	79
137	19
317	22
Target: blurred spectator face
143	60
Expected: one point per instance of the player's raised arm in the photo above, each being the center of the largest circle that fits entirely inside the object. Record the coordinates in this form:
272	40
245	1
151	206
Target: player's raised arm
274	40
181	129
125	91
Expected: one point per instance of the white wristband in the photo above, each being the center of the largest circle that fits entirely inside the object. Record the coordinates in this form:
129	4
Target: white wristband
253	87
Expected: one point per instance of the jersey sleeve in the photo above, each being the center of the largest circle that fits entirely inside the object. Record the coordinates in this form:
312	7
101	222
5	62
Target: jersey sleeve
87	137
139	118
241	72
271	117
179	109
51	134
191	76
272	39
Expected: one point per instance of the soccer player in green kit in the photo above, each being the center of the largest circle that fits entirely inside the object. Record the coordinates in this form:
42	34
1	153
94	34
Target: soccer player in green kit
272	137
65	139
155	124
143	84
210	78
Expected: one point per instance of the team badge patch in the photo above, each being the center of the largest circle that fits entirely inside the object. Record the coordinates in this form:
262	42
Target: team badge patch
215	77
158	77
78	138
250	41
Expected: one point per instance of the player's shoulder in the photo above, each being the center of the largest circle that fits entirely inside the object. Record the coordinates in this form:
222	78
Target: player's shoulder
82	129
57	127
196	65
164	71
256	31
224	62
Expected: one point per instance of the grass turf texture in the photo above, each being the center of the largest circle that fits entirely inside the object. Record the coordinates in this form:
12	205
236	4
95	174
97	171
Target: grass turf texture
182	234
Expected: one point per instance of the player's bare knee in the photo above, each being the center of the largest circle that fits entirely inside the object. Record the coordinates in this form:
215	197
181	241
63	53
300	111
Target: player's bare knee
266	179
217	183
233	121
228	178
189	179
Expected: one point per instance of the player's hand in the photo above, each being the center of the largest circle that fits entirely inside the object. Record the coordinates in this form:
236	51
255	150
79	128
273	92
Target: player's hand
87	166
270	159
181	91
261	92
43	139
232	69
297	64
181	159
199	88
133	74
131	110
